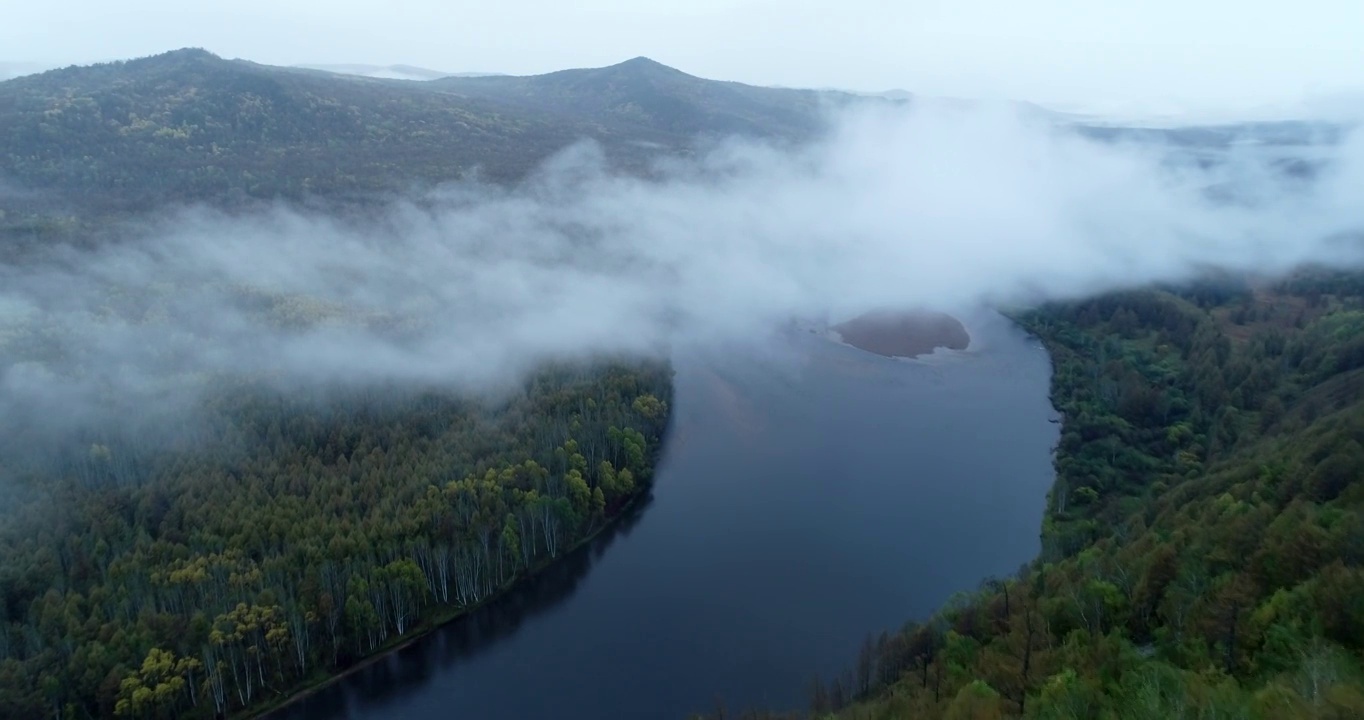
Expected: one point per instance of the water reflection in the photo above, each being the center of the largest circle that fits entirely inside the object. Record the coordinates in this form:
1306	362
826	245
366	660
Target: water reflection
399	673
810	494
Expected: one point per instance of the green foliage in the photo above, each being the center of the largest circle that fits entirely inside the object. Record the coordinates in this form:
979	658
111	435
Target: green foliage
975	701
87	144
1203	543
290	537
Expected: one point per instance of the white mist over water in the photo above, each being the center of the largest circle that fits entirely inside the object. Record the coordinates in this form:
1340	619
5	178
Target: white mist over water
475	285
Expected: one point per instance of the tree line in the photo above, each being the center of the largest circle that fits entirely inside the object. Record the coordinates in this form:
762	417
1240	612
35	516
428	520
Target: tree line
294	536
1202	545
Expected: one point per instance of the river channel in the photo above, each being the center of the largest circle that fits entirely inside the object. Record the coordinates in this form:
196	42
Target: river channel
810	493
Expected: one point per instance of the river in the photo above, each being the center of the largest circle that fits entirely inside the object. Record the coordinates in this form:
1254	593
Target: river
810	494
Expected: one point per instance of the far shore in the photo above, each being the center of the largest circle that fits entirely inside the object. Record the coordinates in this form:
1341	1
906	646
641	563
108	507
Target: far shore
903	333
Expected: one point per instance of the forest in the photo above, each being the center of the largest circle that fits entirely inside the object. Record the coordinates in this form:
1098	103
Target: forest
1202	546
212	545
160	561
291	535
82	145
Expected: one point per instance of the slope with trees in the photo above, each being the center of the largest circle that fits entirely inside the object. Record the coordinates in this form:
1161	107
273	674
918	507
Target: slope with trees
289	537
1203	542
172	561
84	143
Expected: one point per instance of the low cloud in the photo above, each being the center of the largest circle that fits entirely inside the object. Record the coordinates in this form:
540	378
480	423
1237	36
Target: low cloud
474	285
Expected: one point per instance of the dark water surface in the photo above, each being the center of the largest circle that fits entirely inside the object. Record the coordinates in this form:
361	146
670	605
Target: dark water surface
811	494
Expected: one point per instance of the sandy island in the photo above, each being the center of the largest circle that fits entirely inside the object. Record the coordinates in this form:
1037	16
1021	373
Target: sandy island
903	333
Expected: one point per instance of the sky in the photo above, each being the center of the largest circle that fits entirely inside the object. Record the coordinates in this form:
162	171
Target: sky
1126	57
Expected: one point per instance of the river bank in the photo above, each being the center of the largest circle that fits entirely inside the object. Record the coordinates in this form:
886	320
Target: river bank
807	469
627	514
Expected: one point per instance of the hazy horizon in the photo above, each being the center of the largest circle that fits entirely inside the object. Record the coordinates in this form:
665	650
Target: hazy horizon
1348	107
1213	59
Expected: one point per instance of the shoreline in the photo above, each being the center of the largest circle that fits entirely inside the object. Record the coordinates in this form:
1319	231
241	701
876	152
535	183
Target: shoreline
669	436
427	627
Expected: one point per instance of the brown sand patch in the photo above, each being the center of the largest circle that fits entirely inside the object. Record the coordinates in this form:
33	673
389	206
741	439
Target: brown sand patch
903	333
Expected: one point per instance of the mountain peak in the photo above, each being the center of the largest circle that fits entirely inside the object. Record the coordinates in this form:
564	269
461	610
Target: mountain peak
183	55
191	53
176	59
96	76
643	64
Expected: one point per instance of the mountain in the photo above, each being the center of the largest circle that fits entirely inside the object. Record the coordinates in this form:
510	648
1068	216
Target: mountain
189	126
647	98
1280	133
82	145
390	467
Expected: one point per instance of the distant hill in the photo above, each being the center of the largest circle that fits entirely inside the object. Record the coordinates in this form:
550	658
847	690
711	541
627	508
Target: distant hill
644	97
81	145
189	126
1287	133
392	72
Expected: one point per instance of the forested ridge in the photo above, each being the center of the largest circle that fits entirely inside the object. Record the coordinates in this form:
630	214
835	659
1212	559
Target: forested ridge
1203	542
295	536
81	145
202	542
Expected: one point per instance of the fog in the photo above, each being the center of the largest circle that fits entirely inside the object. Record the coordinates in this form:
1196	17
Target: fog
472	286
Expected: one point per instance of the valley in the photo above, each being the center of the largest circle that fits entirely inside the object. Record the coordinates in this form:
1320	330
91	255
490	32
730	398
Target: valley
325	395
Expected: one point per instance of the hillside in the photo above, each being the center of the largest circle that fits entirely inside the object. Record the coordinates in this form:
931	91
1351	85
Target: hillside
285	539
188	126
260	538
647	100
82	145
1203	543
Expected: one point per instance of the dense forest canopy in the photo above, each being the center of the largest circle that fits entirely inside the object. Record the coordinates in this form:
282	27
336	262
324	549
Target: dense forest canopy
181	539
1203	542
84	143
299	535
